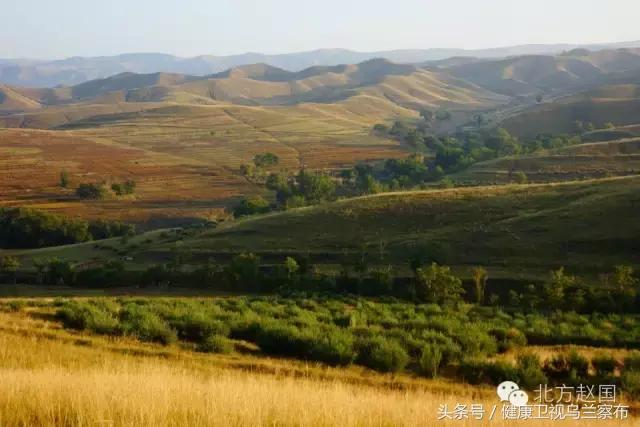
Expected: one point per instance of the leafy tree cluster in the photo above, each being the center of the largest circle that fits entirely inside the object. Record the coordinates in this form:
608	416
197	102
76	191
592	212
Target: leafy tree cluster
257	171
99	190
30	228
291	191
615	291
265	160
92	191
124	188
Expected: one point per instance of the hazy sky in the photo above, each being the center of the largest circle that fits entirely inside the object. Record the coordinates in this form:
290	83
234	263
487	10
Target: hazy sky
62	28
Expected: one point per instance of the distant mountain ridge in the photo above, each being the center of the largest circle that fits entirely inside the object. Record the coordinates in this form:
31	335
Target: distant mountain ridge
76	70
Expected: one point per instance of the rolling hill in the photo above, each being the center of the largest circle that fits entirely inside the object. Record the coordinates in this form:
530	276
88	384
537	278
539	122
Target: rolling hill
203	128
584	161
75	70
617	104
518	232
531	75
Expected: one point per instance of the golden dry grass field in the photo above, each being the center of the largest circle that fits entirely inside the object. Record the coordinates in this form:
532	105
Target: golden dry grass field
52	377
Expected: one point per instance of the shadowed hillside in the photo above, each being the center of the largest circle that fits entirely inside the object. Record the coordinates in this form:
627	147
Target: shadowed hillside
530	75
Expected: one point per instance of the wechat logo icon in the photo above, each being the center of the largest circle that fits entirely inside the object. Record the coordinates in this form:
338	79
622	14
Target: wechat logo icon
509	391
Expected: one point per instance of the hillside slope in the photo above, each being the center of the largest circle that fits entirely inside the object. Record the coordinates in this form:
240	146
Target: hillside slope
586	225
582	161
531	75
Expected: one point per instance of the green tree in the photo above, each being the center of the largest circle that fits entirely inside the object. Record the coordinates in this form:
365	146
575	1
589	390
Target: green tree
315	187
265	160
91	191
437	284
64	179
244	270
9	265
625	283
381	128
521	177
59	272
251	205
502	142
291	267
556	288
427	115
480	277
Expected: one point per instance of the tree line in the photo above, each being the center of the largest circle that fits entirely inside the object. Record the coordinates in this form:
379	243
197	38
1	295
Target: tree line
25	228
429	282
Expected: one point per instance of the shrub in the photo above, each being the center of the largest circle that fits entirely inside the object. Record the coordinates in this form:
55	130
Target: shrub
333	347
87	316
604	365
474	341
91	191
196	327
250	206
508	339
430	360
479	372
630	381
16	305
567	367
437	284
530	372
215	344
382	355
146	325
632	361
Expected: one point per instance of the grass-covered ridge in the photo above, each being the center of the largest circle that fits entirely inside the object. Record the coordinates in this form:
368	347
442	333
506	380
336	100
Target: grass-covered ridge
588	224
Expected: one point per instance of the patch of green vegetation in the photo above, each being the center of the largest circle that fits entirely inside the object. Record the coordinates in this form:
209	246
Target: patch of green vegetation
385	335
521	229
30	228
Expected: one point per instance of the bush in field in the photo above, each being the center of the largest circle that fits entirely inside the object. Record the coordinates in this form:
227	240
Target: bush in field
382	355
570	367
146	325
124	188
508	339
265	160
334	347
604	365
92	191
480	372
530	373
197	327
215	344
329	346
244	270
437	284
251	205
475	341
632	361
16	305
431	360
88	316
630	381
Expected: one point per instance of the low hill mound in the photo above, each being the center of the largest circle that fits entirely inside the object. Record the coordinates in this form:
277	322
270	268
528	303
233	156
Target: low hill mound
519	229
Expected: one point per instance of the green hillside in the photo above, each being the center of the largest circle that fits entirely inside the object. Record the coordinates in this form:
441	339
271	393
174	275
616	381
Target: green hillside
583	161
516	231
